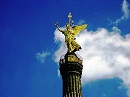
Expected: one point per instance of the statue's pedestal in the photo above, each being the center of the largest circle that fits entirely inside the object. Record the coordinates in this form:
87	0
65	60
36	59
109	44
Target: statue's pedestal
71	71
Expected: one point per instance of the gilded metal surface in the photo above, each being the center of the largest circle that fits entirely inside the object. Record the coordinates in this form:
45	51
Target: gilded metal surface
71	58
70	33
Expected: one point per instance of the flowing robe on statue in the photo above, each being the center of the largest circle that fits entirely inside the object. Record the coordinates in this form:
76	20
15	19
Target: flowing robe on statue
70	35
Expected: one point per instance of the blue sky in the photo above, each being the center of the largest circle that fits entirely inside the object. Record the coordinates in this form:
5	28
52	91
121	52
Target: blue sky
30	47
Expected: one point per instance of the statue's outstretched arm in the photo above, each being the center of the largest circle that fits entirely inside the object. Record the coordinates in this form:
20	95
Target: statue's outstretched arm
56	24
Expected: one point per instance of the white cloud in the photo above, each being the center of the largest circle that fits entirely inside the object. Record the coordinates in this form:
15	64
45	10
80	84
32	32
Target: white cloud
105	54
126	78
125	11
42	56
59	38
117	30
81	22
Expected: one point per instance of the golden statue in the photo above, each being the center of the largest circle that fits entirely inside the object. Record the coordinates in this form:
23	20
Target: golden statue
70	33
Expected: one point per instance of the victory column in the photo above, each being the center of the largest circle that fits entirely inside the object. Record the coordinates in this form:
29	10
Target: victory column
71	64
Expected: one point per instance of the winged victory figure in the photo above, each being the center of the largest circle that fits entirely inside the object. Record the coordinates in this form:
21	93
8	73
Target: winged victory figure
70	32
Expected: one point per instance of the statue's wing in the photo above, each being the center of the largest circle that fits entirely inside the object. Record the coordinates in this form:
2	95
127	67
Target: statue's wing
77	29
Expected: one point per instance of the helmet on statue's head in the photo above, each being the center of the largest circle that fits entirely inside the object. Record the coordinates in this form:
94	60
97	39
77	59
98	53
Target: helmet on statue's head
67	26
